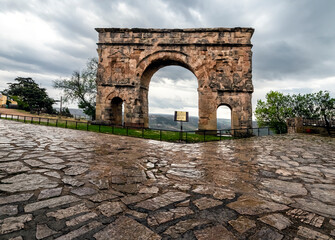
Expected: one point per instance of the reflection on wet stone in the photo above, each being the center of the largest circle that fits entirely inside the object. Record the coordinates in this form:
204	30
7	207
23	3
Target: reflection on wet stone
311	234
169	215
276	220
254	206
214	233
183	226
16	198
26	182
287	188
55	166
100	183
125	228
87	185
204	203
81	219
137	214
217	192
75	170
67	212
100	197
13	167
50	203
51	160
111	208
16	238
306	217
324	192
34	163
48	193
12	224
80	231
8	210
266	234
72	181
242	224
163	200
127	188
220	215
185	172
135	198
312	205
52	174
43	231
83	191
149	190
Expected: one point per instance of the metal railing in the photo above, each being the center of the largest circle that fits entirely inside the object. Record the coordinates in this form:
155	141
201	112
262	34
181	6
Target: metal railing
148	133
317	122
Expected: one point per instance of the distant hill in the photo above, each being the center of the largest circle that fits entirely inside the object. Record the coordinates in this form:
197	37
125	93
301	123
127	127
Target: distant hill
78	113
165	121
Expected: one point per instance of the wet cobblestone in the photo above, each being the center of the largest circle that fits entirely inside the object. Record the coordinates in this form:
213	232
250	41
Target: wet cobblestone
65	184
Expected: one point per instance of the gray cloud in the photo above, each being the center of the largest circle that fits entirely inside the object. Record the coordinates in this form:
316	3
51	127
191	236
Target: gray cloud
173	72
174	103
293	40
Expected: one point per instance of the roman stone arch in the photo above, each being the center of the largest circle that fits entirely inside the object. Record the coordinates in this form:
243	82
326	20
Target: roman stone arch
220	58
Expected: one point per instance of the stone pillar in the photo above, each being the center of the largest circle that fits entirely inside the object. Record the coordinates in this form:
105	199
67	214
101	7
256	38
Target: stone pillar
98	107
143	108
207	110
294	125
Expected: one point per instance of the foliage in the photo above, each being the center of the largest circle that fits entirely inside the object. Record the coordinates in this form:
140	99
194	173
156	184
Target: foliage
325	105
81	87
273	111
278	107
30	96
65	112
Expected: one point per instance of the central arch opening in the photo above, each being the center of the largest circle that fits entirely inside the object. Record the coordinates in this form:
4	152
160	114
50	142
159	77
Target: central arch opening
223	117
172	88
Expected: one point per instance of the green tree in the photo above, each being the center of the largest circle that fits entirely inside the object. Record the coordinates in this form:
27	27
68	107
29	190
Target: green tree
303	106
30	96
274	111
65	112
278	107
81	87
325	105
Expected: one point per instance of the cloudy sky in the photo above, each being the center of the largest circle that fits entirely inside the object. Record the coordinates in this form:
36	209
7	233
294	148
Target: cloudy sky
294	41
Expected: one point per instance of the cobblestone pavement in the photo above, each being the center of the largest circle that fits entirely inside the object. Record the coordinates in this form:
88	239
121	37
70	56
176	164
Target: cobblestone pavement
65	184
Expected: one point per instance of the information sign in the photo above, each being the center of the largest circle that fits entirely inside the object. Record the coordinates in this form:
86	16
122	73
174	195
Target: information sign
181	116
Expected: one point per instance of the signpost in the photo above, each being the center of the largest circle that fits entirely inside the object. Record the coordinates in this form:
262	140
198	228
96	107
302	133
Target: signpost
181	117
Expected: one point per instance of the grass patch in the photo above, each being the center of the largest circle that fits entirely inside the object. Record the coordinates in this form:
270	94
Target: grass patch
161	135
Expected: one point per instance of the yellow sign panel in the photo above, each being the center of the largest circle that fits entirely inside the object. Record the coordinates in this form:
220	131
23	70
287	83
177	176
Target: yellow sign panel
181	116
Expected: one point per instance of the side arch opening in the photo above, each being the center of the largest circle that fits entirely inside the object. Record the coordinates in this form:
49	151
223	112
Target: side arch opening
224	117
117	111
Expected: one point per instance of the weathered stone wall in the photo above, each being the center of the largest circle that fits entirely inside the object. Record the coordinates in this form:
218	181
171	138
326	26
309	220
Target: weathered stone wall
296	125
220	58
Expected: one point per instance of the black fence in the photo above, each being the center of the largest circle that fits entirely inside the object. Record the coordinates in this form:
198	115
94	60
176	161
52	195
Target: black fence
317	122
148	133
